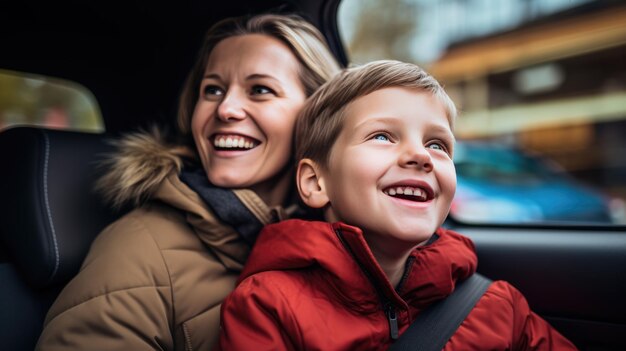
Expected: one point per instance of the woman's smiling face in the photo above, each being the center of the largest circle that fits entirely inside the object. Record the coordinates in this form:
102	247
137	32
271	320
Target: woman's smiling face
243	121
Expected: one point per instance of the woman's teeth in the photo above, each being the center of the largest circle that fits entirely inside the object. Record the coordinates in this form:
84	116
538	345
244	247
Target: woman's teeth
416	193
233	142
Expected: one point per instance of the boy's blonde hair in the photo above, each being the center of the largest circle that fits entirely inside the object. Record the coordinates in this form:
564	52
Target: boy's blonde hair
321	119
317	63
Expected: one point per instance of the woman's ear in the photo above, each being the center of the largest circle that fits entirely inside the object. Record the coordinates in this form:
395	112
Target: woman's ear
310	184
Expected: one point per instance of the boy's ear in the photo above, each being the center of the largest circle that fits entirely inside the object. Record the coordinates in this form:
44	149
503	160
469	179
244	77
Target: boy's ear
310	184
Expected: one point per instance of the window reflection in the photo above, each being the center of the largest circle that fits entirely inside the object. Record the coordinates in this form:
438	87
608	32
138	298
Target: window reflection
35	100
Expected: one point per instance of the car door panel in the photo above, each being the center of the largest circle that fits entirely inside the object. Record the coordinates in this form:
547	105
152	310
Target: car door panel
575	278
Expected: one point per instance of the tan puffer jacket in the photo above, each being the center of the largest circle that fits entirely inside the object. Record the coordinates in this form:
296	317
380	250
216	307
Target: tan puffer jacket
154	279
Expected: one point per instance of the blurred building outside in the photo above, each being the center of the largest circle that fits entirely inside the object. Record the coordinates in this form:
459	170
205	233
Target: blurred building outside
546	76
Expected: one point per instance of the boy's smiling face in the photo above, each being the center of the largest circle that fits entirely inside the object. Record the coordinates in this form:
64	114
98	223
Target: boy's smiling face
390	171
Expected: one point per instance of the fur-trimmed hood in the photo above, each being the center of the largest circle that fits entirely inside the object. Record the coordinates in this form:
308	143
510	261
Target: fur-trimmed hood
141	162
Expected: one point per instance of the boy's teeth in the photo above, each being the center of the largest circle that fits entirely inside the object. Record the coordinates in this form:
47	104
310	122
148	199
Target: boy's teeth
406	191
233	141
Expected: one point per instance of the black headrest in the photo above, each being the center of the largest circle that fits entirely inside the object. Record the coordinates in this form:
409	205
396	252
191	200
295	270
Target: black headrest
48	209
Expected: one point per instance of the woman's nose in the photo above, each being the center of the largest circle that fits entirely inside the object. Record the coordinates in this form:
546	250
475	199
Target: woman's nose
416	156
232	107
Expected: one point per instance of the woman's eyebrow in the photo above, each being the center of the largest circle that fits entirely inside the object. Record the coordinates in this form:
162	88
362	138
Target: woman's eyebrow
261	76
248	78
212	76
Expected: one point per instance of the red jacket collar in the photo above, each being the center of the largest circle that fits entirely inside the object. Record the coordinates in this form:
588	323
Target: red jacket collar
340	254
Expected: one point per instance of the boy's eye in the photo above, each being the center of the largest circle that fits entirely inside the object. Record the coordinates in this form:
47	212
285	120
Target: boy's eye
261	90
381	137
210	91
436	145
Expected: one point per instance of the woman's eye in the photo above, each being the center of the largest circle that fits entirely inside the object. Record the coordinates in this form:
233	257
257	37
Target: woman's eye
212	91
261	90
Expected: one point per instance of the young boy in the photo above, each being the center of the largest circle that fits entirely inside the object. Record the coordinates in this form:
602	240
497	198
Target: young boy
375	148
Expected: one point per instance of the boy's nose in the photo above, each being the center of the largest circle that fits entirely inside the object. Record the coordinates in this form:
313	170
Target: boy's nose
232	107
416	157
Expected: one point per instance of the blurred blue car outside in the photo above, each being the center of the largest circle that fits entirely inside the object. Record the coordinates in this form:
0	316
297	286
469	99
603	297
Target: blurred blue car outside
499	184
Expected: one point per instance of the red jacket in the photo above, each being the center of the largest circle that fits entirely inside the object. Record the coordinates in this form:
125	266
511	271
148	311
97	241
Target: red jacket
317	286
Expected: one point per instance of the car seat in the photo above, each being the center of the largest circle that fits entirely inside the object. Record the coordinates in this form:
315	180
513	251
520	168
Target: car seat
49	215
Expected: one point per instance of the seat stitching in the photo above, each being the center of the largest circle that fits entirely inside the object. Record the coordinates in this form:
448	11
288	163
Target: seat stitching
47	204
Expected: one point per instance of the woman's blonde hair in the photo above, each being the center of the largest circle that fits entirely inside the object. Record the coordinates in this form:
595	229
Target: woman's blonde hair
321	119
317	64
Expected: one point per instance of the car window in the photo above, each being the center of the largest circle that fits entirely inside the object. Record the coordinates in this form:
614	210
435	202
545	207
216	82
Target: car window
27	99
541	90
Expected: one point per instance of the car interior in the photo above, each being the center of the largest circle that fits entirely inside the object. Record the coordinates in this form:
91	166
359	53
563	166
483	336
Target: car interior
133	58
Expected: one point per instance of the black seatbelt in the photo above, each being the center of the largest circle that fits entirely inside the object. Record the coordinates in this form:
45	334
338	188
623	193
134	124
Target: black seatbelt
432	328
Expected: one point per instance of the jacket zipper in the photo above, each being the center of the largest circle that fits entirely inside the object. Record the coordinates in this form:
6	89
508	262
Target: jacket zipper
389	310
388	307
393	320
407	271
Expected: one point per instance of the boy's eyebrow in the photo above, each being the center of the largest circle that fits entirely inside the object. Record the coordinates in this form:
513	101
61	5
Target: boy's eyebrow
443	129
373	120
391	119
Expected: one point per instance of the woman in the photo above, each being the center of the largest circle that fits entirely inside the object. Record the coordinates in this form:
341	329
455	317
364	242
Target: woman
155	278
